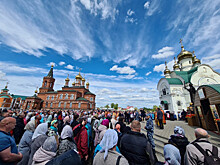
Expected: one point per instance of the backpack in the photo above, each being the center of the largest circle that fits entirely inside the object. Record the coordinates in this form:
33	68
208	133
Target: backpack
210	157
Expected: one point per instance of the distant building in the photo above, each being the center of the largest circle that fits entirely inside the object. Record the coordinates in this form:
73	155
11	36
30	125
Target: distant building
188	74
76	96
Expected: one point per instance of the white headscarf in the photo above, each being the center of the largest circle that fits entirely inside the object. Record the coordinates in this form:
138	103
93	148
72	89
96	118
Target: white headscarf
109	140
67	132
50	144
40	130
179	131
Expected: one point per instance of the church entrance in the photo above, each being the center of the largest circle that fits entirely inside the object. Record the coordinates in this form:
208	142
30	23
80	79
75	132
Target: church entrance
205	104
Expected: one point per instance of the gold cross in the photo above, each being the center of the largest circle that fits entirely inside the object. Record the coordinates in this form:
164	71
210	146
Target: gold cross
181	42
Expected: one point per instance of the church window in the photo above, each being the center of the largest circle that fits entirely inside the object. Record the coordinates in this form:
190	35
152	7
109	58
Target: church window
48	97
189	62
72	96
46	104
52	98
61	96
79	106
164	91
165	106
178	103
66	96
59	104
45	83
51	84
91	98
90	105
51	105
64	104
71	104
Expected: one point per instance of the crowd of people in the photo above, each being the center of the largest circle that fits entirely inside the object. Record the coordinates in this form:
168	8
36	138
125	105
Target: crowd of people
61	137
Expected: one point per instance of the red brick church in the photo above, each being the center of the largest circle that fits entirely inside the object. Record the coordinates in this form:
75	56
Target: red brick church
76	96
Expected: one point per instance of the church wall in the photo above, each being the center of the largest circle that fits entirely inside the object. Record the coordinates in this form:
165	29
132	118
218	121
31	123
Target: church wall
204	76
186	64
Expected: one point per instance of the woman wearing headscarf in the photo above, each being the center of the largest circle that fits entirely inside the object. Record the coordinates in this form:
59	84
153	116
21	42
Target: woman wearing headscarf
45	153
108	154
52	131
38	139
101	131
180	141
66	140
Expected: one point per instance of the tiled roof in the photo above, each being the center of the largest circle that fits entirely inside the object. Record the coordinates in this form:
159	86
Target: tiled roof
175	81
19	96
214	86
81	99
89	93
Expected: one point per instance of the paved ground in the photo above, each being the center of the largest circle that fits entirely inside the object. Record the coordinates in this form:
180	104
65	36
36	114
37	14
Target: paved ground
161	136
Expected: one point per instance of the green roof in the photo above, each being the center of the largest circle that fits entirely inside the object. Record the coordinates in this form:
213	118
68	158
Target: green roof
5	89
5	97
17	96
89	93
81	99
186	75
214	86
50	74
175	81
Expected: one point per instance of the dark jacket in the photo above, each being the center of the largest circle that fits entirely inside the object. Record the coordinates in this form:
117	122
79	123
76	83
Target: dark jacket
159	115
136	149
19	129
181	143
66	158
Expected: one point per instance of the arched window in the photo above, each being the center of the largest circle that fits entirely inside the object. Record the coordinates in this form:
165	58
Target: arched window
61	96
52	98
189	62
45	83
178	103
71	104
59	104
64	104
46	104
164	91
66	96
91	98
90	105
51	105
48	97
72	96
51	84
79	106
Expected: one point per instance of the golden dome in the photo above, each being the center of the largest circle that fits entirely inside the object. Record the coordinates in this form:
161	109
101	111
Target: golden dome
35	91
79	76
67	79
166	71
196	60
73	83
175	66
184	53
83	79
87	83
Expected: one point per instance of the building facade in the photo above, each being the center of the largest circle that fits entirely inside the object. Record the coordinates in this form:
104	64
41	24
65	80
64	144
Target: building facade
177	89
76	96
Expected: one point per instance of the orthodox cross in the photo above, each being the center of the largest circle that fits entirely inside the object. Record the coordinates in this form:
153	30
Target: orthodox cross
181	42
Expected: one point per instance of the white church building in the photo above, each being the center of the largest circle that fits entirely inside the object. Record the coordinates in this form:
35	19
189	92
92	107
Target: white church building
173	93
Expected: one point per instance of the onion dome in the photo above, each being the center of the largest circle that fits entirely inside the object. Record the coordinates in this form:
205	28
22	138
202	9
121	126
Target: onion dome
79	76
83	79
35	91
73	83
175	66
166	71
184	53
87	83
196	60
67	79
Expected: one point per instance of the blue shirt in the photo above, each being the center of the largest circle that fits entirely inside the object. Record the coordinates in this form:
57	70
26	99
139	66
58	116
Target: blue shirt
98	148
5	142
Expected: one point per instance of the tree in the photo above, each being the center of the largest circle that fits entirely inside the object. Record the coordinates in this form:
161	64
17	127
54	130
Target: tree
155	108
112	105
107	106
116	106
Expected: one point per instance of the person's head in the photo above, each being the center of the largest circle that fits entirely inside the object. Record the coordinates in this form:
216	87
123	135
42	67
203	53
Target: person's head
201	133
158	109
109	141
67	132
121	119
5	113
7	124
83	120
54	123
179	131
40	130
66	120
76	116
147	116
50	144
105	122
38	117
136	126
21	115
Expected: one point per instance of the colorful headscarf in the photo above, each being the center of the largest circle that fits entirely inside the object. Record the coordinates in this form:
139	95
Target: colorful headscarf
53	122
105	122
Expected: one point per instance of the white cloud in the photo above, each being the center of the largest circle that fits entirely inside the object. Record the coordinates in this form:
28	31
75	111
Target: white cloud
51	64
2	76
86	3
161	67
130	12
61	63
164	53
147	74
152	7
69	67
147	5
123	70
213	61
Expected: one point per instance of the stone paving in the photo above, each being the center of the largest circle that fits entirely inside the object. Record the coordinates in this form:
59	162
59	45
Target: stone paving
161	136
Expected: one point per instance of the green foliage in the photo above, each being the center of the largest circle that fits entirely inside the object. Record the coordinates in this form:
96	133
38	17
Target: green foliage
112	105
107	106
116	106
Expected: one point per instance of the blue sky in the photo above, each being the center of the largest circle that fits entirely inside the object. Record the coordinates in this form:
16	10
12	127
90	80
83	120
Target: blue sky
120	45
